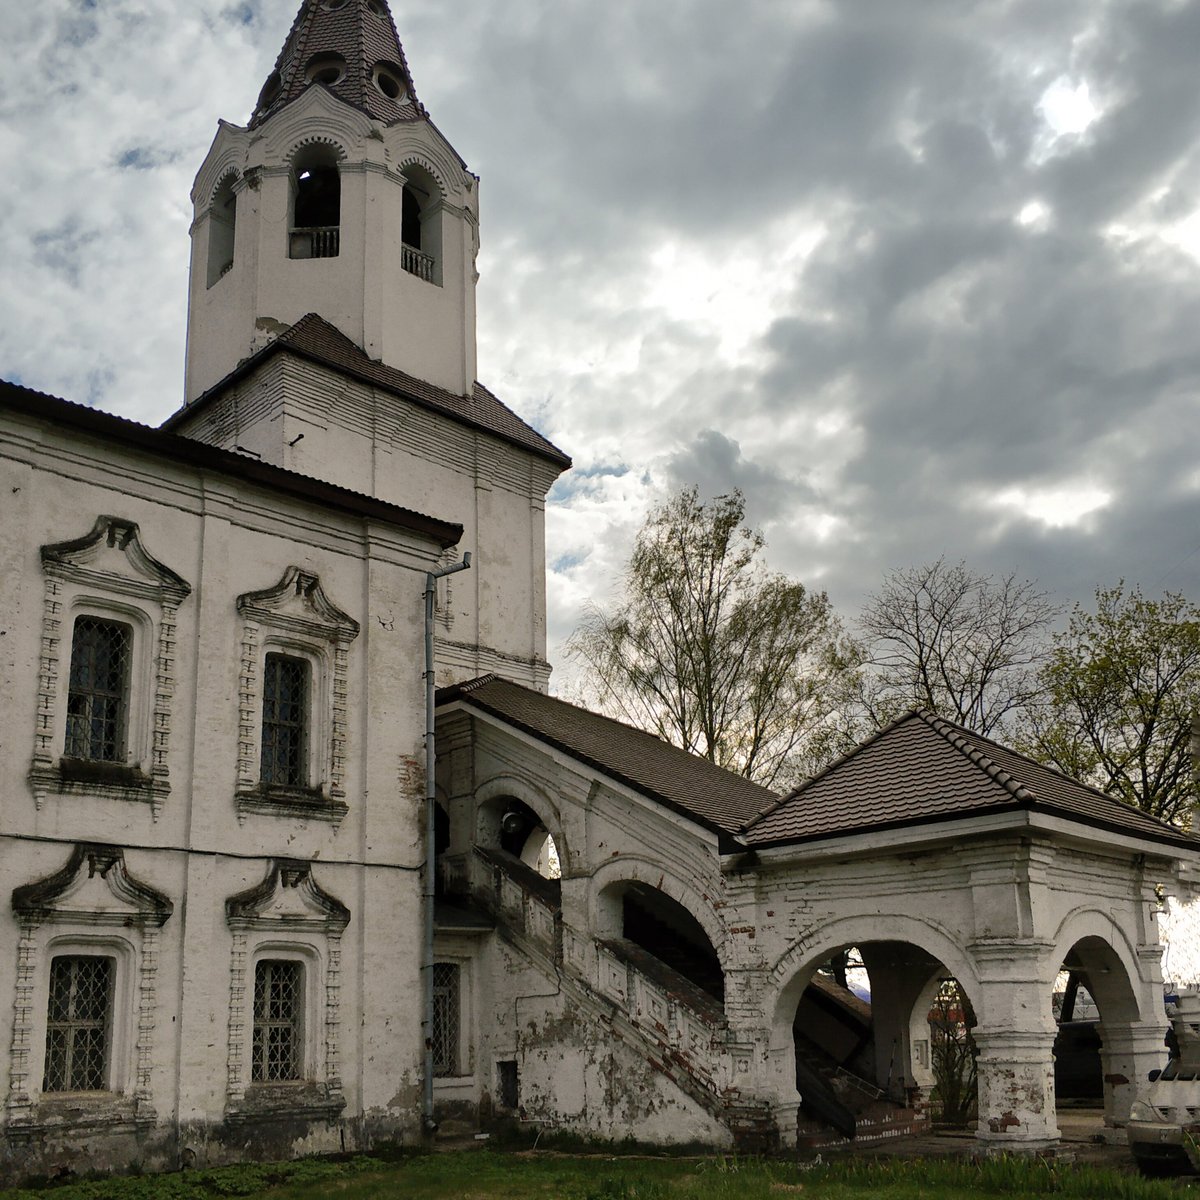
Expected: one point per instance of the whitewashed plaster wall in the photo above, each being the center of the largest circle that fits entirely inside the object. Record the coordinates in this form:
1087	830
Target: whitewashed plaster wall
492	618
999	909
425	328
195	846
998	912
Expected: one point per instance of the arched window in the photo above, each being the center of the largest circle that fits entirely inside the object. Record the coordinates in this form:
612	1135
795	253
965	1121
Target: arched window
421	225
222	223
316	204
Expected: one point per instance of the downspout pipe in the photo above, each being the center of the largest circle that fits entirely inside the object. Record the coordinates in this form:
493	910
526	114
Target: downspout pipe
431	578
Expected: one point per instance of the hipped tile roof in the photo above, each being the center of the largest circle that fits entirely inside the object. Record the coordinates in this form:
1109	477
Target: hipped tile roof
315	339
921	770
714	798
364	34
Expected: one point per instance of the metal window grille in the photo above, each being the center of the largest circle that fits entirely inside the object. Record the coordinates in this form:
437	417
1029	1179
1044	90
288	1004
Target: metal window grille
278	1021
79	1023
445	1018
285	721
98	691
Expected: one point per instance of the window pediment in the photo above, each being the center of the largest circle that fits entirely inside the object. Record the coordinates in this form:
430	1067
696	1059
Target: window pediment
94	888
113	557
289	898
299	604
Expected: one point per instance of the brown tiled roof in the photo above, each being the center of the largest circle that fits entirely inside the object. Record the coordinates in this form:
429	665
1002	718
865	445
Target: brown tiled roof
920	770
712	797
364	34
91	421
313	338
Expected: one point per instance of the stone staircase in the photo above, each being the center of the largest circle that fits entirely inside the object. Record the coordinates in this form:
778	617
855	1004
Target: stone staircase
677	1027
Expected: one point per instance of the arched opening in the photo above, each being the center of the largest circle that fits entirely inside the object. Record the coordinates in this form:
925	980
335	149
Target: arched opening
870	1025
636	917
523	835
1095	1009
222	224
316	204
421	225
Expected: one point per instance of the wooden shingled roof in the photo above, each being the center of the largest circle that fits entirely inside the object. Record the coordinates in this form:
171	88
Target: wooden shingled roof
920	770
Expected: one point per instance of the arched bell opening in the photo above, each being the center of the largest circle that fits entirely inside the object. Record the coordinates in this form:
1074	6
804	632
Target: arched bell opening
315	227
421	225
222	225
637	917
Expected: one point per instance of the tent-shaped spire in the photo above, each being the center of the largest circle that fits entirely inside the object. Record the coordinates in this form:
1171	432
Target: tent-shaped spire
352	48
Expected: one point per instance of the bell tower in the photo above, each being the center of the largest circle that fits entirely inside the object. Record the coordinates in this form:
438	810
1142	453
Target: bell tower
340	197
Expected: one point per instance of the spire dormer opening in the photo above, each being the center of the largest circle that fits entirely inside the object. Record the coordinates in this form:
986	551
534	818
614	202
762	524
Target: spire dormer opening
421	225
325	68
315	229
222	223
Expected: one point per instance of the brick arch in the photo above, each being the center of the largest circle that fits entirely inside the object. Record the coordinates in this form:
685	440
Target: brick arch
499	787
631	868
317	139
1120	988
794	969
436	173
229	174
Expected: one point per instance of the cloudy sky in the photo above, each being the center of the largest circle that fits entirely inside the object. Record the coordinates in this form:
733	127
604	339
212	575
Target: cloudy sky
921	277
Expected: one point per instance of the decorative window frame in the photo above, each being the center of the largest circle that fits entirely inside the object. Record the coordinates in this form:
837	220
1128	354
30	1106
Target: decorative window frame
288	915
93	905
295	617
108	573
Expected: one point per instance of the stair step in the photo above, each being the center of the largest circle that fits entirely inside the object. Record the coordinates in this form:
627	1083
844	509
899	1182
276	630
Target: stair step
872	1126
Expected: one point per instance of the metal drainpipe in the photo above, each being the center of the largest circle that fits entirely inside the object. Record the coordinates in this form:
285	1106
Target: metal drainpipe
431	579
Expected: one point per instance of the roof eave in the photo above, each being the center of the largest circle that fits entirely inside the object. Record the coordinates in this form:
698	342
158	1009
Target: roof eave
199	455
727	840
889	836
278	346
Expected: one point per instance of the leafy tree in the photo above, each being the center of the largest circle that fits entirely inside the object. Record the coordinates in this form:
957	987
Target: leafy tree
711	651
953	1054
965	645
1123	687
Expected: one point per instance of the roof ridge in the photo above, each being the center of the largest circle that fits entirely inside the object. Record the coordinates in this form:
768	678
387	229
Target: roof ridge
959	737
853	752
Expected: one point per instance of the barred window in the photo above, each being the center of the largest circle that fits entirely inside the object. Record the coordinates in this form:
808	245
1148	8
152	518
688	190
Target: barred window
278	1021
79	1023
98	692
445	1018
285	721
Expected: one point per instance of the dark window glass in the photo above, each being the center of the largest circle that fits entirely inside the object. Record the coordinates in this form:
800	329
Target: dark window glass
445	1018
78	1023
98	690
285	721
278	1027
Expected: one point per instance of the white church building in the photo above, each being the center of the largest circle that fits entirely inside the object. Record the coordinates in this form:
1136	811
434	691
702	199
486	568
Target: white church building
239	919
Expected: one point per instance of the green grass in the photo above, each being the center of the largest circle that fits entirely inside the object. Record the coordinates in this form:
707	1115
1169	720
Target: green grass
486	1175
